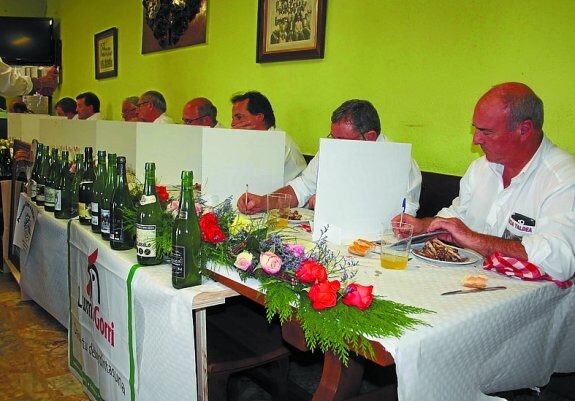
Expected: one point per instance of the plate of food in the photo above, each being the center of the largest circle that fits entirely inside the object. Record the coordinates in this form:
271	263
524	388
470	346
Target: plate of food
437	251
299	215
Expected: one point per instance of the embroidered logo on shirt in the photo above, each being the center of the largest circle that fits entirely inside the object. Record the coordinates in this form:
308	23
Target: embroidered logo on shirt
518	226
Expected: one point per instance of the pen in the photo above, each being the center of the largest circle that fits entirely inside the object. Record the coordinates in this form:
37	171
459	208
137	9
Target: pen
402	212
246	197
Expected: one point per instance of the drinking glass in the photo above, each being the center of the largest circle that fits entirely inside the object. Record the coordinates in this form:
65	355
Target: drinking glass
395	245
278	209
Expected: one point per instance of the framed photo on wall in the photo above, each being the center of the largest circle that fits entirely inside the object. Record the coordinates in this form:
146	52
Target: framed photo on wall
290	30
106	53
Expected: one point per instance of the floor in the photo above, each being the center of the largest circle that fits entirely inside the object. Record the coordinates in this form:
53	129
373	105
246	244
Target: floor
33	361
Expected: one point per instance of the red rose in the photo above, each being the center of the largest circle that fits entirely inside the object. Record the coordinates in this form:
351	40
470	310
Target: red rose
211	231
311	272
162	193
324	294
358	295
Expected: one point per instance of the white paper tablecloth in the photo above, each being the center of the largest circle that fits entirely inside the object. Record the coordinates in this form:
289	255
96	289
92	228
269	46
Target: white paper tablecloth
477	343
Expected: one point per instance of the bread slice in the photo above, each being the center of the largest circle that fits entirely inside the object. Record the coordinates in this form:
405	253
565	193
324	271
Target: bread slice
475	281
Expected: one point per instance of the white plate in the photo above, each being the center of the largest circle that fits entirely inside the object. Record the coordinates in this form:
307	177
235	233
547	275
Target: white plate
471	256
306	215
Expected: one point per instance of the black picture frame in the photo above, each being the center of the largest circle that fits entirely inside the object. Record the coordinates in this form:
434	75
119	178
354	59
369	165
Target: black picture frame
290	34
106	53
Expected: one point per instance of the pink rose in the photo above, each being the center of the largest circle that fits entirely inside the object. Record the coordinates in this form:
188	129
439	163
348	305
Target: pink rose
244	260
323	295
297	250
358	295
198	209
271	263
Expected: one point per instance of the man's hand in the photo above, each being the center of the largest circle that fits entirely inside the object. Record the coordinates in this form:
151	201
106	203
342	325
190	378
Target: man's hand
46	84
419	225
250	203
311	202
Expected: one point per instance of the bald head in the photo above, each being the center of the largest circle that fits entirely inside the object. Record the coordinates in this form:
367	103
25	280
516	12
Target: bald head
200	111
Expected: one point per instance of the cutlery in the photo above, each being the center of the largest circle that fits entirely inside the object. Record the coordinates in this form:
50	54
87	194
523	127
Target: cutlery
470	290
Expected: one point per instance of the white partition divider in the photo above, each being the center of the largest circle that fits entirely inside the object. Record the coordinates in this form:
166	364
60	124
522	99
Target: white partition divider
117	137
172	147
28	126
233	158
360	186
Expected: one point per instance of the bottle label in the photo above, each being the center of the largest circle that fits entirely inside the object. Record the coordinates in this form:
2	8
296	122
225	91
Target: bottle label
117	232
95	214
40	195
95	206
178	261
183	215
147	199
33	188
84	211
146	240
49	195
58	200
105	221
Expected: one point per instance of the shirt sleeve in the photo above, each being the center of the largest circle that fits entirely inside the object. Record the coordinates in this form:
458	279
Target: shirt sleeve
305	186
413	190
12	83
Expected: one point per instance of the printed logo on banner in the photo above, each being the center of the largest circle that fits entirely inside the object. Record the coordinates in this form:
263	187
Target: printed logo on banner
25	221
90	301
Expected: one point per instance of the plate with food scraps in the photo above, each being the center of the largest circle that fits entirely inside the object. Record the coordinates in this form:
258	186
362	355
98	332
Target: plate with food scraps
436	251
299	215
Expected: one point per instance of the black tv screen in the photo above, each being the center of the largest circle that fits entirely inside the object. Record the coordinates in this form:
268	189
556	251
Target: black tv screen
27	41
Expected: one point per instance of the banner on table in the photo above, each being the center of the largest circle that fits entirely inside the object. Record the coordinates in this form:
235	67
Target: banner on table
25	223
98	335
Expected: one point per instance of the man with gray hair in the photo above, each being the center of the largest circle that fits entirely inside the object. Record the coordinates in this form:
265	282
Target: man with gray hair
152	108
200	111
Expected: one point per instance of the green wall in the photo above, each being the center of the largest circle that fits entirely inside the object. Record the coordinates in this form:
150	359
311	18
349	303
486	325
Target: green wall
423	64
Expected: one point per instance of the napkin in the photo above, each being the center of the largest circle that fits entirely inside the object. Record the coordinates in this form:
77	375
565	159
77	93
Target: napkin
519	268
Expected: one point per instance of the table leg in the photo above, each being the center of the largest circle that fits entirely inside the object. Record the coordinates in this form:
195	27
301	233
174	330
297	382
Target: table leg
201	354
338	382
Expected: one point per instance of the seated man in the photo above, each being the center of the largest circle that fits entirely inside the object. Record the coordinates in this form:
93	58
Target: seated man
518	199
66	107
252	110
130	109
353	120
200	111
152	108
88	106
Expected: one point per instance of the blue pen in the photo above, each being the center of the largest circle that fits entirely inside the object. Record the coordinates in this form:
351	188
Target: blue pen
402	211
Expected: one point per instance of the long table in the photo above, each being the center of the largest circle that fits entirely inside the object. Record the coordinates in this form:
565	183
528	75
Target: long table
476	344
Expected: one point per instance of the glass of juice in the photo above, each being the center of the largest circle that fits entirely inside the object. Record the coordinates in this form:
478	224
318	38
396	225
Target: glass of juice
278	209
395	245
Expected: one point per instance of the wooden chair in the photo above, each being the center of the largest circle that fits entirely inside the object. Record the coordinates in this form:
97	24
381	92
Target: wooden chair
240	339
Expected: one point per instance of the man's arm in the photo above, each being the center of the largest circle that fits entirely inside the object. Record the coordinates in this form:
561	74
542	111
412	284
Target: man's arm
251	203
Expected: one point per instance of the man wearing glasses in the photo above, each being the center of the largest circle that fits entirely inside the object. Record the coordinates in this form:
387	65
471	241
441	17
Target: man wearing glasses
200	111
355	120
152	108
130	109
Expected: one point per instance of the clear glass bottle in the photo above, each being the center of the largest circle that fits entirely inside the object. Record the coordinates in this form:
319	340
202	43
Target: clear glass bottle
107	197
51	179
41	178
63	198
36	171
149	221
186	239
98	190
121	237
85	190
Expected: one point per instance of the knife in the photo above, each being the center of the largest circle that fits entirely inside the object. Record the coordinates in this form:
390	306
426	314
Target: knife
470	290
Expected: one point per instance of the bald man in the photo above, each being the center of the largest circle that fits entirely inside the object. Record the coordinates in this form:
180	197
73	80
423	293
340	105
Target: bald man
200	111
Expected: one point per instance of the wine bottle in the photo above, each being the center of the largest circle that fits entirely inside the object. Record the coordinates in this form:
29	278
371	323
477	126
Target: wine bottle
186	239
121	237
63	197
85	191
107	197
35	171
41	181
75	189
98	190
51	178
149	221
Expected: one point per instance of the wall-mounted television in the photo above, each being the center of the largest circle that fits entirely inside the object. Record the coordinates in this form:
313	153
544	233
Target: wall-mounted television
27	41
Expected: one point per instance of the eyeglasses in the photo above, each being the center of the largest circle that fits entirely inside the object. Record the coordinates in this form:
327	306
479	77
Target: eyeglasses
331	136
143	103
189	121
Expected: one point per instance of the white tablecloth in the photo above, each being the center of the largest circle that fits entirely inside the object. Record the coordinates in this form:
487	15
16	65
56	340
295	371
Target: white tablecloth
477	343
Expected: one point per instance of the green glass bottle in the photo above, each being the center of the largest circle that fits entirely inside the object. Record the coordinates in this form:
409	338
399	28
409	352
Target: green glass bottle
36	171
107	197
85	191
121	237
186	239
98	190
41	179
76	179
149	221
51	179
63	197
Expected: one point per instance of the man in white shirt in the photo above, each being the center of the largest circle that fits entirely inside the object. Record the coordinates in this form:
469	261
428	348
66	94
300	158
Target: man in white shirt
253	111
88	106
353	120
518	199
200	111
14	84
152	108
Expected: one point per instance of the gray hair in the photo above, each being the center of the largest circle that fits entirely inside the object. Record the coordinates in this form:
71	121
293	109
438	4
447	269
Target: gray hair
361	113
157	99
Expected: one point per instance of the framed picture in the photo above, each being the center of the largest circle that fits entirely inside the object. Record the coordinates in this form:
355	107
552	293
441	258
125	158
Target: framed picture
106	53
290	30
